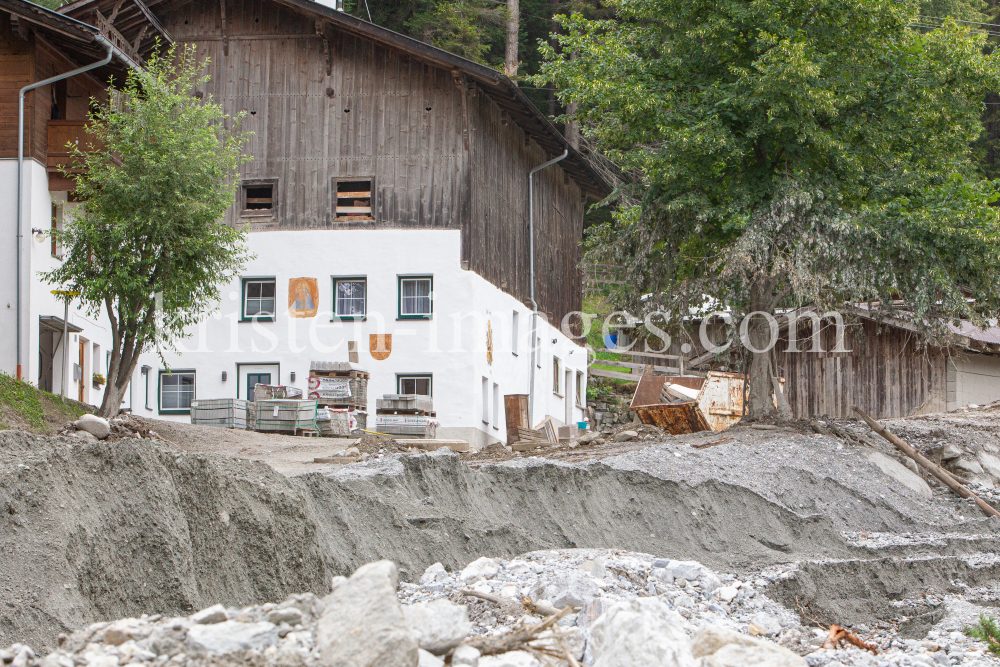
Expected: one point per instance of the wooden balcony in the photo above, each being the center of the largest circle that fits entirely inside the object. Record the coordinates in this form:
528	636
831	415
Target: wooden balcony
68	132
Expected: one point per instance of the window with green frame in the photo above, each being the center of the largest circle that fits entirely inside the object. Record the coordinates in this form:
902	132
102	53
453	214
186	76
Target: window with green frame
350	298
421	384
416	297
175	391
259	299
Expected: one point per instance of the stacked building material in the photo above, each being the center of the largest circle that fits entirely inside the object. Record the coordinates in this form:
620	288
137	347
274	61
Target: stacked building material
341	385
405	414
286	415
334	422
225	412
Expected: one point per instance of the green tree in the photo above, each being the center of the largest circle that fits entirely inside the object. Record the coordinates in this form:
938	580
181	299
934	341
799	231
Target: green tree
789	154
149	246
463	27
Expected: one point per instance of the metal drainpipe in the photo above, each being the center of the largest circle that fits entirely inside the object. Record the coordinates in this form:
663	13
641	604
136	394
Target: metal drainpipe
534	305
20	168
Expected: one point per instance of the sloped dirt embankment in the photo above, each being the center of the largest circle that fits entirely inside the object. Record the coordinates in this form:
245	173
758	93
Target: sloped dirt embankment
100	531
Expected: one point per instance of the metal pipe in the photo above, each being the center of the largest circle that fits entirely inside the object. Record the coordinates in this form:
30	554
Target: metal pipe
20	166
65	347
531	253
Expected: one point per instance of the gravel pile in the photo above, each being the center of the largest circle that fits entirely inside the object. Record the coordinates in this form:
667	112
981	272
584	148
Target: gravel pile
625	609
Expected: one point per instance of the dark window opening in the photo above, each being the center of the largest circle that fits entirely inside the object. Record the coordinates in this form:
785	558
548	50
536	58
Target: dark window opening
258	197
354	201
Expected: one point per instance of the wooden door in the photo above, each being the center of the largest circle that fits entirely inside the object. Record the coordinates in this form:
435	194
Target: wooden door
516	408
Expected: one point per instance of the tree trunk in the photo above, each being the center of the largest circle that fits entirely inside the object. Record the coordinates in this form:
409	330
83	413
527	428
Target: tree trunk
513	33
760	395
114	392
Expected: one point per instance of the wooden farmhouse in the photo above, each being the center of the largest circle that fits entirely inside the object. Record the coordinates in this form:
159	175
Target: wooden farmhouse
387	205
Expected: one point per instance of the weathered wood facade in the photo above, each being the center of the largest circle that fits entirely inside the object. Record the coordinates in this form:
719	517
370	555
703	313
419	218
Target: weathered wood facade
325	103
887	373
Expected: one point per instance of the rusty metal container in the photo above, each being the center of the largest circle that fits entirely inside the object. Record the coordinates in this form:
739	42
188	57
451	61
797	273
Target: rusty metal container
719	404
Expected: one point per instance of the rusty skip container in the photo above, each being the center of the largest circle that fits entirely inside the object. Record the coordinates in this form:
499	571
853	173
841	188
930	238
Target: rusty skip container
719	402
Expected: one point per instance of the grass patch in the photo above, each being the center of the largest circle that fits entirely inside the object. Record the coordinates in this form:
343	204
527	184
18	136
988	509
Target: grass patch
25	408
986	630
19	402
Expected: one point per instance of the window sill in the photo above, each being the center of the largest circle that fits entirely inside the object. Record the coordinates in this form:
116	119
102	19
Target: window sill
514	353
556	393
269	318
413	317
496	428
175	412
267	213
349	318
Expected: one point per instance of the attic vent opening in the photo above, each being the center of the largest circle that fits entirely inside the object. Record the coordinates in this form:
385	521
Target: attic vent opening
354	200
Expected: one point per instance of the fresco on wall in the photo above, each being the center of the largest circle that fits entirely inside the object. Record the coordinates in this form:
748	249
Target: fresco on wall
380	346
303	297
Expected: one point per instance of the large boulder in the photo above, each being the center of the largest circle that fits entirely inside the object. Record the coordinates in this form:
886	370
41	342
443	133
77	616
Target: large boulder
362	624
643	632
715	646
572	589
97	426
897	471
439	625
481	568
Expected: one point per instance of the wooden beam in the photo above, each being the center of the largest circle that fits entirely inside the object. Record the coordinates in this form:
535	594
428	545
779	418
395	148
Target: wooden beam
153	20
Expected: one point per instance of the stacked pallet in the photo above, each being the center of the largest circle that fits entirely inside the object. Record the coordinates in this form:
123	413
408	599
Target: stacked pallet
333	422
225	412
405	414
285	415
341	385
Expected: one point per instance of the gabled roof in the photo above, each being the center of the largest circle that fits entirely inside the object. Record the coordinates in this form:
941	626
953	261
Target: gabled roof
75	39
129	24
501	89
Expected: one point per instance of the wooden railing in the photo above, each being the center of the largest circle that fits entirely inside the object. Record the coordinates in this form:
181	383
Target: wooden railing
68	132
659	365
598	278
115	37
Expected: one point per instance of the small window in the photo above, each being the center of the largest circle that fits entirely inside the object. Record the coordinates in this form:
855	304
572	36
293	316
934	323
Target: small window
257	197
513	333
176	392
354	200
486	400
350	297
415	297
496	406
421	385
55	230
579	388
258	298
556	376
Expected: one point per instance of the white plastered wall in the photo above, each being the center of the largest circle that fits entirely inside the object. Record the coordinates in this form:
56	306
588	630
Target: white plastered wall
452	345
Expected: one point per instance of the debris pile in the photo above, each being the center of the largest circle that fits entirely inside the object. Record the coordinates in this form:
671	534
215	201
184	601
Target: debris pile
593	607
92	428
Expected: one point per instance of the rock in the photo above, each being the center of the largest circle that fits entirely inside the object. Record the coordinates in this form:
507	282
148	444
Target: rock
642	632
214	614
98	426
719	647
426	659
352	451
289	615
230	636
362	623
573	589
767	623
124	630
968	465
85	435
594	568
990	463
465	656
660	562
951	451
481	568
897	471
433	573
510	659
588	437
438	626
625	436
727	593
685	569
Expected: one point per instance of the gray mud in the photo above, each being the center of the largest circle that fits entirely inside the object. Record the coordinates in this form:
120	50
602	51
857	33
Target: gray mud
92	532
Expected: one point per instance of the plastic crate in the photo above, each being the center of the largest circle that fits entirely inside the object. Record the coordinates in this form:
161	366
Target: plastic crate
225	412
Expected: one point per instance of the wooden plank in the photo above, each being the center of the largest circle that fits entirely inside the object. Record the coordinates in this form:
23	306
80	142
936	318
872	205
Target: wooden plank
651	355
613	374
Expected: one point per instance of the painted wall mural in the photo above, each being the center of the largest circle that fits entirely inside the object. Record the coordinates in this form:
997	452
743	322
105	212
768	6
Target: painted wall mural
303	297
